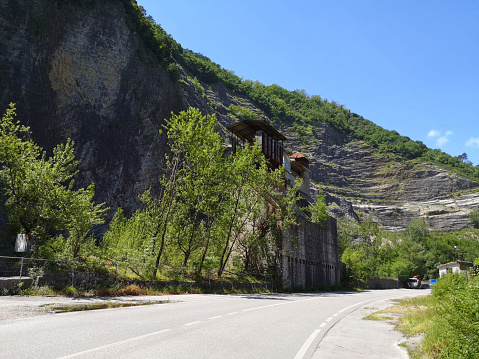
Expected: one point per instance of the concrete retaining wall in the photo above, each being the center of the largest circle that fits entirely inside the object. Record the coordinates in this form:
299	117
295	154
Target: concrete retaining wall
310	256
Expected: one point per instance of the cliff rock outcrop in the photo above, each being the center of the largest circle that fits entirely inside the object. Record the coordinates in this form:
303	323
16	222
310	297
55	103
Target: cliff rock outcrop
76	72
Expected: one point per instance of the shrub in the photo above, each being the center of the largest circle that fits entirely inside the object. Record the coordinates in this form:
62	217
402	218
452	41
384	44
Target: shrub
457	316
70	291
474	217
131	289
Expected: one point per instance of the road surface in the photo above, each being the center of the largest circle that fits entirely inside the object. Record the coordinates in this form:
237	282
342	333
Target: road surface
191	326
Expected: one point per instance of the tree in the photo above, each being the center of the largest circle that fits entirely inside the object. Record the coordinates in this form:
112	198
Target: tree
39	190
213	208
474	217
192	177
80	215
318	209
255	213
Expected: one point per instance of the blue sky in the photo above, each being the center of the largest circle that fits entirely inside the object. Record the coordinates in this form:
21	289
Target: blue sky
409	66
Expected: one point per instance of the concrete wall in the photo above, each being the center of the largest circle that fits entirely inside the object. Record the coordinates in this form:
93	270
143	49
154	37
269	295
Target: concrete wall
310	256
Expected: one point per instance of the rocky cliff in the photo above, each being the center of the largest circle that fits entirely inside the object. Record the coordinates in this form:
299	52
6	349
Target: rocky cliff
76	72
77	69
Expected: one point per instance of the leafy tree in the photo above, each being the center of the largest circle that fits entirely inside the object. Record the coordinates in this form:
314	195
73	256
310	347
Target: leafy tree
39	191
357	263
130	240
474	217
255	214
318	209
242	113
213	209
80	215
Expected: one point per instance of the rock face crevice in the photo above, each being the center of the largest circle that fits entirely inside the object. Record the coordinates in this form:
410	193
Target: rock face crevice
80	72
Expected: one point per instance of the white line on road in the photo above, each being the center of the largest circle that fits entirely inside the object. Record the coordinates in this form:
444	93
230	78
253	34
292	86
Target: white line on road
193	323
218	316
313	336
75	355
232	313
283	303
307	344
354	305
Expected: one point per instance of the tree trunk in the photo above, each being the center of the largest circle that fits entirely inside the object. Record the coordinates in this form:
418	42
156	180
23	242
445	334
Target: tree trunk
230	229
163	224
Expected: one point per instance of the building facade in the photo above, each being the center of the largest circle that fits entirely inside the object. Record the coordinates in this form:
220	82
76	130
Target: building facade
454	267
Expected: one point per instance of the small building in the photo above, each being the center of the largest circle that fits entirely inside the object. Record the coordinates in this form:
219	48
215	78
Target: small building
262	133
454	267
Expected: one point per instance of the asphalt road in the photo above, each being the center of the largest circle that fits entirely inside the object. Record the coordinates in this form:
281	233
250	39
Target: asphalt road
191	326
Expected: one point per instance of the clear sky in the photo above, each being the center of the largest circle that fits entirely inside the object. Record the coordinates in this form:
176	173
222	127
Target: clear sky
409	66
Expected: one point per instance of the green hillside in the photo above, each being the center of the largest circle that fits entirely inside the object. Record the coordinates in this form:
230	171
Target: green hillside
293	108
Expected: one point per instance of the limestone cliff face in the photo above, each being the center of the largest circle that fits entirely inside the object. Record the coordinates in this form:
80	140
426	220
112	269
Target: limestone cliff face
393	193
76	70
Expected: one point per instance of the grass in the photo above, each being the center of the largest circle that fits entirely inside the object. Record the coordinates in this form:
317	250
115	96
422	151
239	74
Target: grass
100	305
429	334
378	316
413	317
119	290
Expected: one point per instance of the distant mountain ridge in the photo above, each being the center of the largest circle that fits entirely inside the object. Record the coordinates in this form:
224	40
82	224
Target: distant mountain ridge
101	73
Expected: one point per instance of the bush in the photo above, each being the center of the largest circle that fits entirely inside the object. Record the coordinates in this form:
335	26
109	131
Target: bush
131	289
474	217
70	291
457	316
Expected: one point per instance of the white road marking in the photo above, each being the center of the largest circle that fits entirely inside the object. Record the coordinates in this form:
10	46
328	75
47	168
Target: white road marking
306	345
283	303
75	355
312	337
193	323
218	316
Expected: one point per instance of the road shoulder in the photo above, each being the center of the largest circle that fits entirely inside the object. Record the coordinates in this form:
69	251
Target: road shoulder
353	337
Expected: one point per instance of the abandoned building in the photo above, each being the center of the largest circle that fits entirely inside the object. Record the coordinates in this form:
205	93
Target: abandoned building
454	267
310	255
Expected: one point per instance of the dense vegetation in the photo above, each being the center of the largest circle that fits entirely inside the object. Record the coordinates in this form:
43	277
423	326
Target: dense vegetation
457	318
448	319
215	211
39	192
369	252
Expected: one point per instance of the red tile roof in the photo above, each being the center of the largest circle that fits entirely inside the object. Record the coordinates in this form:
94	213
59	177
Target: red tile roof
296	155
